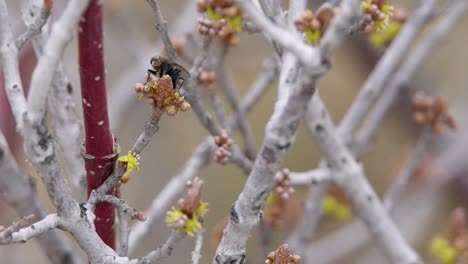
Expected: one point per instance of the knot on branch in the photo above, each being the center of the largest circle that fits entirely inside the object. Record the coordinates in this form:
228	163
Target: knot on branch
433	113
188	215
282	255
40	146
314	27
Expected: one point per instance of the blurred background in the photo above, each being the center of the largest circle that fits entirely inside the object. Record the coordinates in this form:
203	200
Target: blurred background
131	40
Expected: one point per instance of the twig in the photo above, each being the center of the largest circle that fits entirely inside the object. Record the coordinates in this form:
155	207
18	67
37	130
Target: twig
20	232
35	27
123	229
311	177
161	26
122	205
123	234
15	227
218	108
196	256
396	189
165	250
234	101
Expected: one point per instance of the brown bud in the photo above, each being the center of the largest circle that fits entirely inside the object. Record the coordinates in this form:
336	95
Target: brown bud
440	105
438	127
139	87
315	24
202	6
296	259
233	41
125	177
185	106
211	76
420	118
373	9
171	110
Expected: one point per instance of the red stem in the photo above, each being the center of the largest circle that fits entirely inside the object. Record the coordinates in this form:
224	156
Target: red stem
99	153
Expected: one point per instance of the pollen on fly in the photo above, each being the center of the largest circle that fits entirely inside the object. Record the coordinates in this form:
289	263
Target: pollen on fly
164	66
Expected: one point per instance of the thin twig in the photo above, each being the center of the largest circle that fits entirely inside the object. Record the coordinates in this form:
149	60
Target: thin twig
161	26
20	232
234	101
122	249
397	188
122	205
196	255
165	250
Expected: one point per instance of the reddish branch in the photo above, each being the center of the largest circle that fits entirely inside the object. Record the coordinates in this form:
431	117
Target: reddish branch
99	152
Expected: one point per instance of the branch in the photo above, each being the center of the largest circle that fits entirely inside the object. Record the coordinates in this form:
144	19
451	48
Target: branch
401	78
365	98
35	27
279	135
19	233
67	127
122	206
349	176
19	191
61	34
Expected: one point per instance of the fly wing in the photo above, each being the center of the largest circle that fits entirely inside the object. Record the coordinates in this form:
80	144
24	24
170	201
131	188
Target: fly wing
183	72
